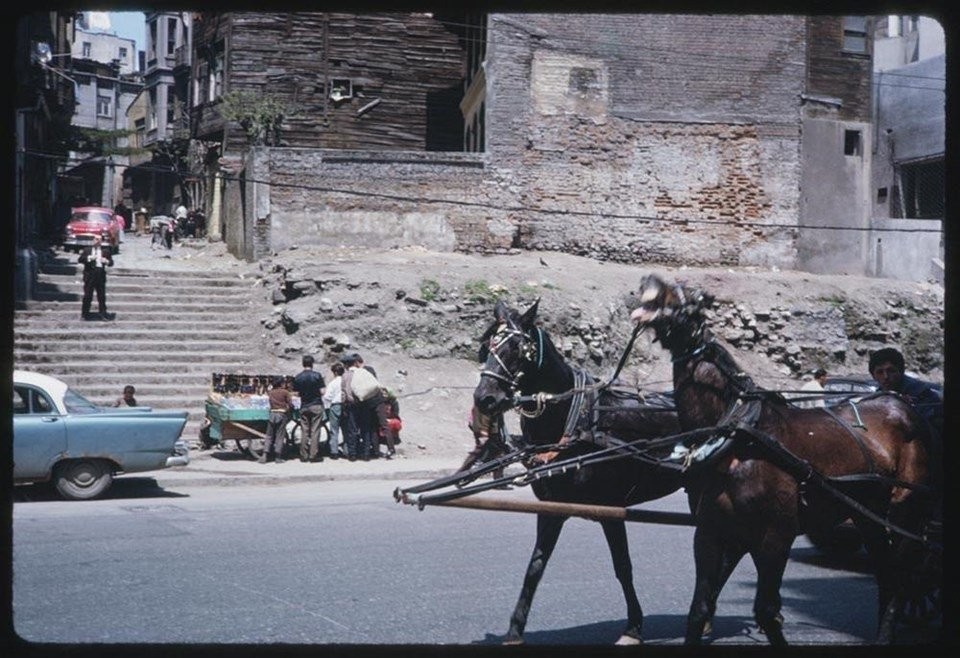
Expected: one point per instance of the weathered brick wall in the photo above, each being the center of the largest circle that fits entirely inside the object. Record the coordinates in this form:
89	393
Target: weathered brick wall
650	137
445	201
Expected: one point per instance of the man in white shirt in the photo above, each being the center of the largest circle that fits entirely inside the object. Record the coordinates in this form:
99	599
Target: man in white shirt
333	403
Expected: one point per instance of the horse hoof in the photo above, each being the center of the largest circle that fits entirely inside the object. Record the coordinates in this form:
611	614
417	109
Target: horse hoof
513	642
707	629
628	641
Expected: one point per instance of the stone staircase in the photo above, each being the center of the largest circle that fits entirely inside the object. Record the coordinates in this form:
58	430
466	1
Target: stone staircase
172	330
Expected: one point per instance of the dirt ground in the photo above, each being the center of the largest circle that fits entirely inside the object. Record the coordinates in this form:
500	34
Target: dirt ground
415	315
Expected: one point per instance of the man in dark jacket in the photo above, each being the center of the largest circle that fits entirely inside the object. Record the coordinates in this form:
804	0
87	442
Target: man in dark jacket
888	368
310	386
95	260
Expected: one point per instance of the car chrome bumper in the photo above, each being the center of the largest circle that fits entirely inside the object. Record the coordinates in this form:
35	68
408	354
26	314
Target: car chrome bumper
181	454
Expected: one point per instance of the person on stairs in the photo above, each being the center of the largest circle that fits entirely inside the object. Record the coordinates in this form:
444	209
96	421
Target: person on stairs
95	260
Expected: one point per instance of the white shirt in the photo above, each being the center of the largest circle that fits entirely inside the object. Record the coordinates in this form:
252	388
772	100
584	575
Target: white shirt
334	392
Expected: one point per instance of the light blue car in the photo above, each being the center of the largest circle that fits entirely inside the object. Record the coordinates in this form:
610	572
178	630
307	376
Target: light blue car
60	436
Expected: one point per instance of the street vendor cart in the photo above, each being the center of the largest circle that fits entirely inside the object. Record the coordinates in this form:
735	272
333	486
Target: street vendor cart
237	410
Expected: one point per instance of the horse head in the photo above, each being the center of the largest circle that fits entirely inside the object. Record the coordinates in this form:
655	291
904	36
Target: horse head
671	309
510	351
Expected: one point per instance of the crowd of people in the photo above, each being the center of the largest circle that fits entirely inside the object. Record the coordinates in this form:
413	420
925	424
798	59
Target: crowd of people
359	413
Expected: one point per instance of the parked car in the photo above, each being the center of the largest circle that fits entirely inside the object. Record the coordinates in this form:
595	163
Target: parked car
87	221
60	436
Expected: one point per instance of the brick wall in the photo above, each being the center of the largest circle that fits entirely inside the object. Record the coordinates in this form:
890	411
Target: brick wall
648	137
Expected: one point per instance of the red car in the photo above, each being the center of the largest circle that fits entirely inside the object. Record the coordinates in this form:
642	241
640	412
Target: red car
88	221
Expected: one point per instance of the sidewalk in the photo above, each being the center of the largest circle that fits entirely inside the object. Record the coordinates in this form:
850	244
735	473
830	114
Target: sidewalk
227	467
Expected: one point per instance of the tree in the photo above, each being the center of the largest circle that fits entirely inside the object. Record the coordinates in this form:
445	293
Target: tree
260	116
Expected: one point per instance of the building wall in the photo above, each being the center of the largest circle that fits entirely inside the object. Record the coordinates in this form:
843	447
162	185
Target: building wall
106	48
630	141
324	197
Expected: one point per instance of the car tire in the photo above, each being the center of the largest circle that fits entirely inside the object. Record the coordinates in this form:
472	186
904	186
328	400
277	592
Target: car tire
83	479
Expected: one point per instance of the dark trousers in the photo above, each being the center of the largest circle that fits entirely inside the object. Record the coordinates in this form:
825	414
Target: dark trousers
367	420
94	282
276	434
311	420
351	429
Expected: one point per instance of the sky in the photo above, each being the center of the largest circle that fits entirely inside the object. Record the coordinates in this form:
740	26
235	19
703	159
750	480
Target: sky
129	24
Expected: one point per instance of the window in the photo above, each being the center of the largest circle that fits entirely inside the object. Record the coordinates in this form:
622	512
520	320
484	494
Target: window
152	41
855	34
140	126
215	89
171	35
922	189
123	54
851	142
152	110
86	49
171	104
104	106
27	400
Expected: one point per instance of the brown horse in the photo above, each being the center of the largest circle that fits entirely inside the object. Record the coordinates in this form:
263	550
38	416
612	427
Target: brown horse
521	358
756	499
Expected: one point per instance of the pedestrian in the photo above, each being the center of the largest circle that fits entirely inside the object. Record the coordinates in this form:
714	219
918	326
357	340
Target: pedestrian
280	403
350	409
310	386
388	421
128	398
372	413
333	402
360	386
95	260
813	390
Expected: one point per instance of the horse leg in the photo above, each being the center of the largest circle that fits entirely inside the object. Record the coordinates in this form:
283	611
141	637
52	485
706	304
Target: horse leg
771	561
715	560
616	534
548	531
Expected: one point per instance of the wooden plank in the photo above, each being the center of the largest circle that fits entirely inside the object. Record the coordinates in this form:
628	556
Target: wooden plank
590	512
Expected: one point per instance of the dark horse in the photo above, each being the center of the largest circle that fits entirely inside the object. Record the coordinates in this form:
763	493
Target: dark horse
522	359
755	501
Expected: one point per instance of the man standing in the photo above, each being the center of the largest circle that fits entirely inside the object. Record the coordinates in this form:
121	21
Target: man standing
333	401
350	409
280	405
309	385
372	415
95	260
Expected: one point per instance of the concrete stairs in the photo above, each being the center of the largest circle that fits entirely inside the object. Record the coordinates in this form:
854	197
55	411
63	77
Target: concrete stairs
173	329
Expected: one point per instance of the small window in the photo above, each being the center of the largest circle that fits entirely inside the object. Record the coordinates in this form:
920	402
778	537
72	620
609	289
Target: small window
27	400
882	195
171	35
851	142
123	54
104	106
86	49
855	34
341	89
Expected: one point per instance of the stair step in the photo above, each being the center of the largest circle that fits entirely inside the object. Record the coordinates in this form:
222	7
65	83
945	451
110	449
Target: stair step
57	356
72	300
105	331
187	366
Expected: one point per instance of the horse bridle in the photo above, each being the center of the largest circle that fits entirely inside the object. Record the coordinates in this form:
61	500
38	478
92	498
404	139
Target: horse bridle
529	352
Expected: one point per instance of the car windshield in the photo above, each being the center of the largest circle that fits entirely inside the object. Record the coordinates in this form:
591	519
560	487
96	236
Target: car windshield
99	217
77	404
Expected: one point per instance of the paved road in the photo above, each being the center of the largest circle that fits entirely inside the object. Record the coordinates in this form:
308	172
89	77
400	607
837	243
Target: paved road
326	562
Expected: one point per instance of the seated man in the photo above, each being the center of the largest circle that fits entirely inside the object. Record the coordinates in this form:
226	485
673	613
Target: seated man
888	368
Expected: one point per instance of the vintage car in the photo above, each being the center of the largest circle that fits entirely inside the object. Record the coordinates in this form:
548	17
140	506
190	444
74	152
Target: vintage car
60	436
87	221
